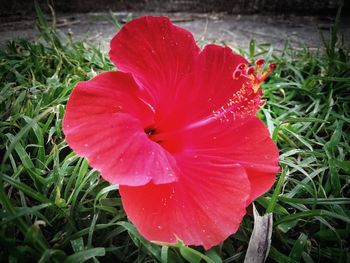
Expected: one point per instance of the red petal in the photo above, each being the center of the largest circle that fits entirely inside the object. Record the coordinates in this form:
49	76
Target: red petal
157	53
258	154
246	142
203	207
105	122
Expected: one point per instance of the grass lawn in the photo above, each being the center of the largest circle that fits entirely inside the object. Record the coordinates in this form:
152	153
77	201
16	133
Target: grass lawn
57	209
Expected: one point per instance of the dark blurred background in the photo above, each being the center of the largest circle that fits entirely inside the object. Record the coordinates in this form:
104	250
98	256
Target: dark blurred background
13	8
300	22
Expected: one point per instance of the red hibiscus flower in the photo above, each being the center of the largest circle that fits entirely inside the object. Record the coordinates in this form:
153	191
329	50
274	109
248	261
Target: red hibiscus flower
176	128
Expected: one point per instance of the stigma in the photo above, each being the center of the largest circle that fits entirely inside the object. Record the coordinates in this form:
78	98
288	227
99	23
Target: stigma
255	75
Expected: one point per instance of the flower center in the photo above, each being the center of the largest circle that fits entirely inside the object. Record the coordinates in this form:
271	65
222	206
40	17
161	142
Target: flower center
153	134
150	131
166	139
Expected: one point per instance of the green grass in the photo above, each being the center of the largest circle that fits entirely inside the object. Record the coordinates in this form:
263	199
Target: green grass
57	209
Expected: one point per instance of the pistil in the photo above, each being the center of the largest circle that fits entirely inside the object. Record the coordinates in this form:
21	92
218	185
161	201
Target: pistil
244	102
